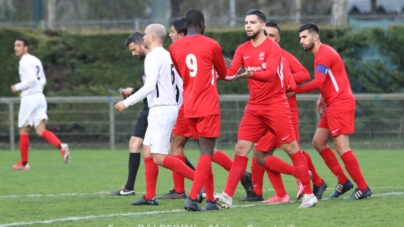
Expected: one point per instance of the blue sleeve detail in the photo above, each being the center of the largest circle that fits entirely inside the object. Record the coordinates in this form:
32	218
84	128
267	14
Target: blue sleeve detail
322	69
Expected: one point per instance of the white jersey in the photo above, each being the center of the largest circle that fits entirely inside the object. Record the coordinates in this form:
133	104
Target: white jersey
163	85
32	76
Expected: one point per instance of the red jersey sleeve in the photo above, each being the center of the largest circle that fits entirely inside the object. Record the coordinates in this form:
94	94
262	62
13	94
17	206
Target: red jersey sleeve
299	72
272	64
236	63
322	65
218	61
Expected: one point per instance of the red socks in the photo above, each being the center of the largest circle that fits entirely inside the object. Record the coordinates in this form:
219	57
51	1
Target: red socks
302	171
210	187
353	168
235	174
278	165
24	146
151	172
178	167
276	181
178	180
331	161
51	138
257	172
202	172
222	159
317	180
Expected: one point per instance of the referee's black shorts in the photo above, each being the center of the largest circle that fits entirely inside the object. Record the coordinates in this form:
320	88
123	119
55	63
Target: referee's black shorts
141	124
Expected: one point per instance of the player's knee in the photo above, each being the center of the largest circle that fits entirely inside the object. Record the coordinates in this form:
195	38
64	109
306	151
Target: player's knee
242	149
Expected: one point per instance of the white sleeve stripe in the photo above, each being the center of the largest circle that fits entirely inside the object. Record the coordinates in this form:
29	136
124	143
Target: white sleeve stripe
334	82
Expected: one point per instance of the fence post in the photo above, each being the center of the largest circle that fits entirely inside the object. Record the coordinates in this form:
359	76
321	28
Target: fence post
137	24
11	120
111	124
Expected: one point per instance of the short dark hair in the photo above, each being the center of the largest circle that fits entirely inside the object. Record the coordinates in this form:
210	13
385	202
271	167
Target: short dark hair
193	18
261	16
273	24
136	38
180	25
312	28
24	40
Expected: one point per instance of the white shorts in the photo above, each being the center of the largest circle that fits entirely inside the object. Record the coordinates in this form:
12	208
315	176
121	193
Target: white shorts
32	110
161	122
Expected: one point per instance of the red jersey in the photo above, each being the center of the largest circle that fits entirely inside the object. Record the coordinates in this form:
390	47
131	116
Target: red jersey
289	82
332	81
266	88
197	59
299	74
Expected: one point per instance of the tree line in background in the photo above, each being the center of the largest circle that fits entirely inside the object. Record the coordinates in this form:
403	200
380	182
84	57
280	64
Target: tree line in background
98	63
61	10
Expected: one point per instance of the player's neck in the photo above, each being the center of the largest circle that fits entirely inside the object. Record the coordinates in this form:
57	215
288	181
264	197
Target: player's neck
194	31
153	46
260	38
315	48
23	55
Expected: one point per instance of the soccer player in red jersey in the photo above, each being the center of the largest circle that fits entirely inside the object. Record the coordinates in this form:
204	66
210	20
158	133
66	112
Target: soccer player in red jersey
298	74
267	108
197	58
181	133
337	105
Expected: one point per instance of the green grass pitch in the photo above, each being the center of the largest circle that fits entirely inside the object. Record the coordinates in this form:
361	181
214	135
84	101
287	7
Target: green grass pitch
76	194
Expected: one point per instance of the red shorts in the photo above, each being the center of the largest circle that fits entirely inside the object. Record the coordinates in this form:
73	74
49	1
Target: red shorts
338	124
181	127
208	126
276	123
265	144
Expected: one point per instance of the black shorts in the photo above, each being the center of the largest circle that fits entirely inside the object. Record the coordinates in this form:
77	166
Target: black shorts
141	124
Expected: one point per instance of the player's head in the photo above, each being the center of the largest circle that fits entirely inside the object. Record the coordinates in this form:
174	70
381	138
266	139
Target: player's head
254	23
309	35
21	46
178	29
273	31
195	21
136	45
154	35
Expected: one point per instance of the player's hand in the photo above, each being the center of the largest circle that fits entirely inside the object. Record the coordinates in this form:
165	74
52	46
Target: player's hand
120	106
125	92
246	74
13	89
290	94
228	62
321	105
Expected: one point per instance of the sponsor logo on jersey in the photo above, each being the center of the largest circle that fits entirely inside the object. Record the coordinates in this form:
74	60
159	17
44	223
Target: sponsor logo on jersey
253	68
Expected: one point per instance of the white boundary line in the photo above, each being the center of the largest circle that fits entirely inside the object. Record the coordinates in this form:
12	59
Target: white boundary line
79	218
107	192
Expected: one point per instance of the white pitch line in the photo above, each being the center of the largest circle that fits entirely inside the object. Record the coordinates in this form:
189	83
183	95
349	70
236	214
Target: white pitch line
39	195
107	192
79	218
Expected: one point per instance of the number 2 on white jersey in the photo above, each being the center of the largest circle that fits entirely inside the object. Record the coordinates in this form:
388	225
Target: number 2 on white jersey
192	64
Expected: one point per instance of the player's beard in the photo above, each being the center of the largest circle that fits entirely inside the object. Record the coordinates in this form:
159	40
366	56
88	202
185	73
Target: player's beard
308	46
249	37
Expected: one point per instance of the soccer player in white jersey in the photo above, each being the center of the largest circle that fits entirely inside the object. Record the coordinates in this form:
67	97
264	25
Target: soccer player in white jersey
163	88
33	104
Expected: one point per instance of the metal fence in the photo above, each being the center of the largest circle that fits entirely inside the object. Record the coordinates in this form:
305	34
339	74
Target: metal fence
92	122
215	22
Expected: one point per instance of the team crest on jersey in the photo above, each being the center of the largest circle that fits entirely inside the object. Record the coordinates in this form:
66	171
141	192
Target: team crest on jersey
264	65
261	56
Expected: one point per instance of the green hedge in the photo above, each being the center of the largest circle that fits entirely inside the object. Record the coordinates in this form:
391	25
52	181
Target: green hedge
98	63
